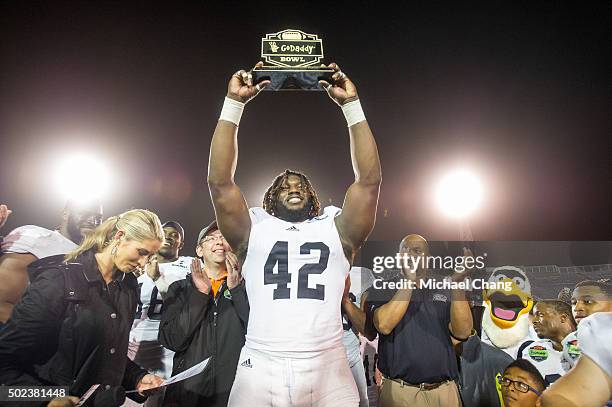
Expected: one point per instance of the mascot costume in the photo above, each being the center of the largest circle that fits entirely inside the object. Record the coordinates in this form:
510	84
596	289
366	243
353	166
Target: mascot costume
505	321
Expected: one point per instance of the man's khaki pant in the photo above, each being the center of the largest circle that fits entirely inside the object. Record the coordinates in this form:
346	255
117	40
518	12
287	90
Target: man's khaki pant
394	394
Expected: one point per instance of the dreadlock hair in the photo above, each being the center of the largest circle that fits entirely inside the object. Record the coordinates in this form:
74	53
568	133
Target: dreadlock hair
269	201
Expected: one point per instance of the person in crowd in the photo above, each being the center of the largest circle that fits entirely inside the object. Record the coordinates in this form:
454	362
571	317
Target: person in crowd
521	384
26	244
71	328
416	354
205	316
295	311
360	279
163	269
480	366
589	383
588	298
552	322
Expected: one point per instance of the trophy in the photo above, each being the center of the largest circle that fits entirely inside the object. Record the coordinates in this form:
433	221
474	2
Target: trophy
292	61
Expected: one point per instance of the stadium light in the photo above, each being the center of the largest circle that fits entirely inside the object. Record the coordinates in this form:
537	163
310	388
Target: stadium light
81	178
459	194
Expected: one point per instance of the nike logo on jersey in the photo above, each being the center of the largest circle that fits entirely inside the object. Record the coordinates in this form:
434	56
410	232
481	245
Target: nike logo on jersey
293	228
247	363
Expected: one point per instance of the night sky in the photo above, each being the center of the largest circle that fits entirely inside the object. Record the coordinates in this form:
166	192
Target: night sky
520	93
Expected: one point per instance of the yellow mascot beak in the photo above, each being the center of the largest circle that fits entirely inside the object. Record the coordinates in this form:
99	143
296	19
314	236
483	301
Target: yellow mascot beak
506	307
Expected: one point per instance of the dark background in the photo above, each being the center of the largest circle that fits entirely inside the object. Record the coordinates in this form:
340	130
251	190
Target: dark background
520	93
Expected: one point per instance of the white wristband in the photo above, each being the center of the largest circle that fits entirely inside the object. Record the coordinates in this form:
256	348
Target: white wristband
353	112
232	111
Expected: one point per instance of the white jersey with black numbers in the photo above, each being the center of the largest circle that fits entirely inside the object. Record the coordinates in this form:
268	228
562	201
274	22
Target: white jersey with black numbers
38	241
294	274
150	305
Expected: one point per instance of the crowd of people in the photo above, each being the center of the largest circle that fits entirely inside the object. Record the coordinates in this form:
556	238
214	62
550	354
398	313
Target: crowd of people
268	300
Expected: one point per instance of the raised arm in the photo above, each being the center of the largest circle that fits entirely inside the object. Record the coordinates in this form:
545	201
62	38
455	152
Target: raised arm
230	206
359	209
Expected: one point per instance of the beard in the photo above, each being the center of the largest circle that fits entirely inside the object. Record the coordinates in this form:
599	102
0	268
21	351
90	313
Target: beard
292	215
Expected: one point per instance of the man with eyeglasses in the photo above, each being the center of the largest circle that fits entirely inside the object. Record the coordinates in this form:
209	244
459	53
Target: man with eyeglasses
521	384
206	315
23	246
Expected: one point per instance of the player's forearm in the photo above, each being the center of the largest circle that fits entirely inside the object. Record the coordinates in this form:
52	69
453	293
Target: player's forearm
223	154
556	400
364	155
389	315
460	315
355	315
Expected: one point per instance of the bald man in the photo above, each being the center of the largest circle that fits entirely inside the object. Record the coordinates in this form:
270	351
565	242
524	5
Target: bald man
416	355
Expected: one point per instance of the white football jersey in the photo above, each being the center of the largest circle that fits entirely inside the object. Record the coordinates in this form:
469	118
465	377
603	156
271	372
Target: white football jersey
38	241
545	358
294	275
361	280
592	334
571	351
148	314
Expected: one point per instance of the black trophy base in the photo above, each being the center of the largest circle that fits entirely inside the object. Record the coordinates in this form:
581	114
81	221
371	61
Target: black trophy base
303	78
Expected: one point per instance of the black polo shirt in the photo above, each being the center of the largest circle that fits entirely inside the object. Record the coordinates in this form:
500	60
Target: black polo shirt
419	349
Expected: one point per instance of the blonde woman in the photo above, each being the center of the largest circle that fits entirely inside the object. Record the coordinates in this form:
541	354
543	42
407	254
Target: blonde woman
71	327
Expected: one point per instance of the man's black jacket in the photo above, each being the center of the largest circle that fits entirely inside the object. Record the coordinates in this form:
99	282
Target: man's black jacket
197	326
71	329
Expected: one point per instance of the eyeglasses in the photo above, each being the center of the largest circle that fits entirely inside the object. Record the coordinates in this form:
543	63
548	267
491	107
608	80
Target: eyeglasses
208	239
519	386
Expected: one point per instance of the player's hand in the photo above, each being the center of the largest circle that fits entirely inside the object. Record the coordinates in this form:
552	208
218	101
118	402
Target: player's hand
234	277
342	90
152	268
4	214
199	277
347	289
64	402
148	382
241	87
